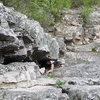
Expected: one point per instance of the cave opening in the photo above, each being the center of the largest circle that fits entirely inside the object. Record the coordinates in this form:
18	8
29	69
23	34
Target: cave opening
11	59
39	57
44	63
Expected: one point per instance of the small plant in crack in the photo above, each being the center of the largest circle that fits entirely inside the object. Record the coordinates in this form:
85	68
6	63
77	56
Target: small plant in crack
85	13
58	82
87	62
94	49
50	75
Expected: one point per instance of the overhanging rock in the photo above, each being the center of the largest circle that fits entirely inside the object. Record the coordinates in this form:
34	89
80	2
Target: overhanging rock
18	34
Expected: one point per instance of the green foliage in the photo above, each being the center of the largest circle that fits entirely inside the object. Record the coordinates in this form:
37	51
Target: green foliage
85	14
88	62
60	82
94	49
40	9
49	10
50	75
86	3
76	3
89	3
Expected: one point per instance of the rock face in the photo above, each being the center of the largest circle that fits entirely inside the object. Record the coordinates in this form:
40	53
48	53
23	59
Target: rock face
35	93
18	74
18	35
71	26
23	40
82	56
23	81
73	29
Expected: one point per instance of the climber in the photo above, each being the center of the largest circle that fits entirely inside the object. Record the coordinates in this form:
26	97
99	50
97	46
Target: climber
53	65
49	64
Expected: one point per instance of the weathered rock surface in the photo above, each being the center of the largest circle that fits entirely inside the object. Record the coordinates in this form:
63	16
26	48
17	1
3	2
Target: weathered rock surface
21	38
81	71
73	29
18	35
34	93
83	92
82	81
18	74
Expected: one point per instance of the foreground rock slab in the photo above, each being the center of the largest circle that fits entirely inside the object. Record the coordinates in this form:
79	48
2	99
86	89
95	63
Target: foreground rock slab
86	92
34	93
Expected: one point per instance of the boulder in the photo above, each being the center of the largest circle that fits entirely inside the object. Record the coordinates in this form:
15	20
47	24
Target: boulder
18	74
18	34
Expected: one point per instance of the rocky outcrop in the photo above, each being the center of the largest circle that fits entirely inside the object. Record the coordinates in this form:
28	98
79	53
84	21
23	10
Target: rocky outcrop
18	74
82	81
18	35
70	27
23	81
73	29
23	40
82	67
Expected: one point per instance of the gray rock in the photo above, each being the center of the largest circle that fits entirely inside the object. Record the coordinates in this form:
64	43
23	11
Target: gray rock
82	81
79	57
19	75
22	38
83	70
93	47
62	46
34	93
83	92
71	26
53	46
21	34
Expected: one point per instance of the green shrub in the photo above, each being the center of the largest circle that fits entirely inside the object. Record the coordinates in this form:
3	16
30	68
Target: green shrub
42	8
94	49
49	10
39	9
76	3
50	75
60	82
85	3
85	12
87	62
90	3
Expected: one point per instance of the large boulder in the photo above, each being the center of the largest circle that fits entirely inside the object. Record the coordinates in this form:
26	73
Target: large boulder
18	35
18	74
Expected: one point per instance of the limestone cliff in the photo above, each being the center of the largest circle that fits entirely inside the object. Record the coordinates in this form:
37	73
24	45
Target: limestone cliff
78	45
18	35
